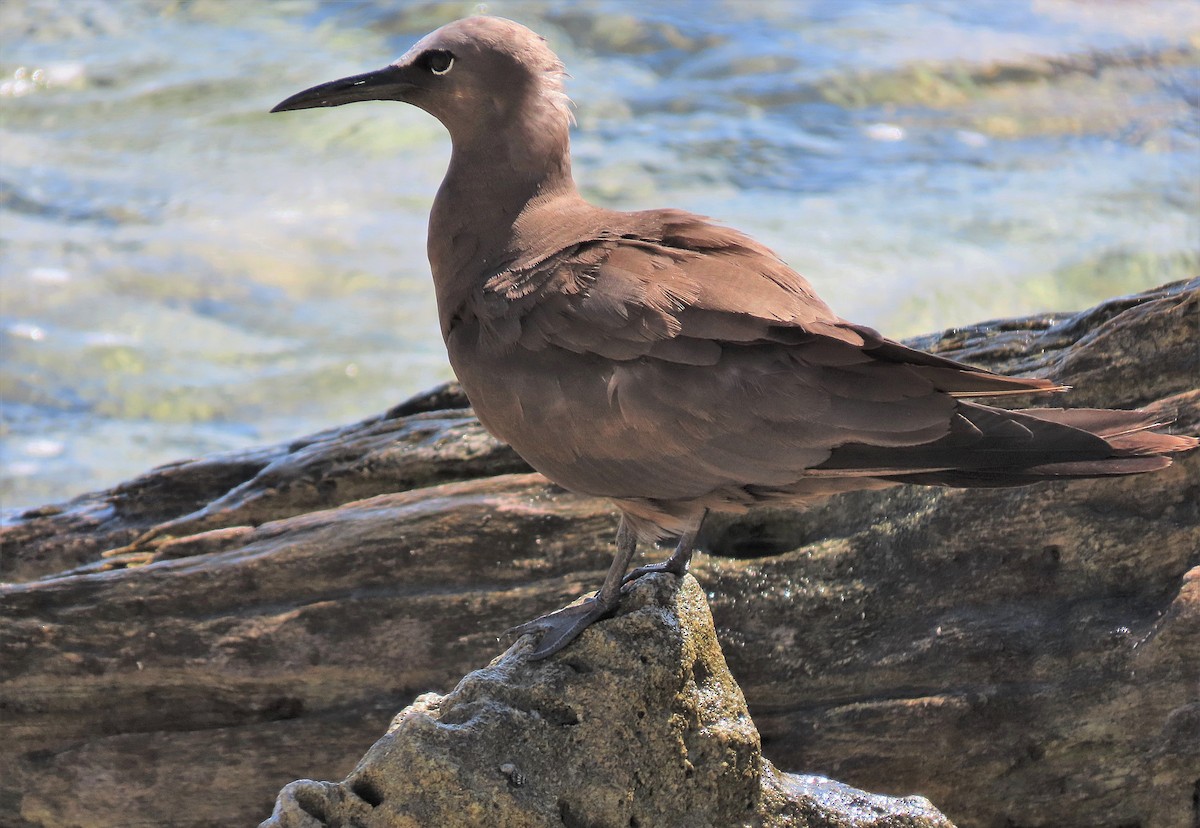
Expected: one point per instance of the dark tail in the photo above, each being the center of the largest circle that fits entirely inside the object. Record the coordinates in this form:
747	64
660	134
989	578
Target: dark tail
994	447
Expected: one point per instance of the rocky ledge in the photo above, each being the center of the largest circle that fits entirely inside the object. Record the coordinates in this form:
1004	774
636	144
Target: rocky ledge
639	724
175	650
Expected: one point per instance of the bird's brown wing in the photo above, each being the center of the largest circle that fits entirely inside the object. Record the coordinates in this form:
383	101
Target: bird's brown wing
678	287
719	366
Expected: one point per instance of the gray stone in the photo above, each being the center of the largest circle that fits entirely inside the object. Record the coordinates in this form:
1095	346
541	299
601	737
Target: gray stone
639	723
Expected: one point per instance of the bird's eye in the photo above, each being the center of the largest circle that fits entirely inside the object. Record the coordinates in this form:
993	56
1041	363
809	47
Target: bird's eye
439	61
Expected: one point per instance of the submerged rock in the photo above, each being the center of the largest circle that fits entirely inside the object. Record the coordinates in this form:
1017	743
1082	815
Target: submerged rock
1023	656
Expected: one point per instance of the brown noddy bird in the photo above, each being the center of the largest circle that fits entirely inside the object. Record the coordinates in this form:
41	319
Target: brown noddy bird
669	363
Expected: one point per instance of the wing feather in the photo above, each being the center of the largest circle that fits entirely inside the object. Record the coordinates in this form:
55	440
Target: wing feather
690	358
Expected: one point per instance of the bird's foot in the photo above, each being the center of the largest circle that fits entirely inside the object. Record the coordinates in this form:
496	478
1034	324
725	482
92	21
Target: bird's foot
561	627
679	561
671	565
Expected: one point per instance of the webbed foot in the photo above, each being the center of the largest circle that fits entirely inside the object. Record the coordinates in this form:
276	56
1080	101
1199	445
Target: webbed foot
561	627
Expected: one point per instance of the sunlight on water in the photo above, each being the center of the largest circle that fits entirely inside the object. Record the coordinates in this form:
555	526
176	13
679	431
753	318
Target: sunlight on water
183	273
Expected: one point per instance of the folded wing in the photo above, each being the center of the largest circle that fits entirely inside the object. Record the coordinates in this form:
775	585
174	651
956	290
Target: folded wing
705	340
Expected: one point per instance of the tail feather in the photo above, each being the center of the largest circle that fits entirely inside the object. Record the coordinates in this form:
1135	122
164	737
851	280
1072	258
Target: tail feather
1000	478
1150	444
1113	467
1129	433
989	447
1107	422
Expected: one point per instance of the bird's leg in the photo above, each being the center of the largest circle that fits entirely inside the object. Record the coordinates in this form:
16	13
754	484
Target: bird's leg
560	628
678	563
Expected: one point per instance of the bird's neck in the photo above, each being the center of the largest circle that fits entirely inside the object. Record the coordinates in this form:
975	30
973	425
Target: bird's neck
488	188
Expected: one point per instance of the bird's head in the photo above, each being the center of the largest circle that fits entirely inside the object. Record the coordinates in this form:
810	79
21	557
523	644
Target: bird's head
477	76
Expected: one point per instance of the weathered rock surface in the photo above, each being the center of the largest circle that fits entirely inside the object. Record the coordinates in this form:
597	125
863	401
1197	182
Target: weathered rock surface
427	440
1022	657
640	723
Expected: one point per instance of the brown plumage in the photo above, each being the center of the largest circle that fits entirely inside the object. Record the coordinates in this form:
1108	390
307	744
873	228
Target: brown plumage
669	363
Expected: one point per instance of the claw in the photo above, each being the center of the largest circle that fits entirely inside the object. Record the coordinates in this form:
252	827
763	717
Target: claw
663	566
561	627
679	561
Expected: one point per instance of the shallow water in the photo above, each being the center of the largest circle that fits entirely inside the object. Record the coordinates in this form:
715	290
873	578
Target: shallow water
183	273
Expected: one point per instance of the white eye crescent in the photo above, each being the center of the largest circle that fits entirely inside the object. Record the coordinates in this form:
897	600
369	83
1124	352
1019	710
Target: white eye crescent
440	62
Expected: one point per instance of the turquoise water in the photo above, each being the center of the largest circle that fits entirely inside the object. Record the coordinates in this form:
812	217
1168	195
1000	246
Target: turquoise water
182	273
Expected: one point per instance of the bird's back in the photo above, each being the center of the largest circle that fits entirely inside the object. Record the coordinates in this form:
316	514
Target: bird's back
657	357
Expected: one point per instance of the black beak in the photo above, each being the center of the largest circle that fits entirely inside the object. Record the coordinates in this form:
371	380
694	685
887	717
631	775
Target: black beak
387	84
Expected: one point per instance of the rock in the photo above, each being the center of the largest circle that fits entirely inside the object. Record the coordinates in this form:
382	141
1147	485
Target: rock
639	723
1020	657
271	653
427	440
